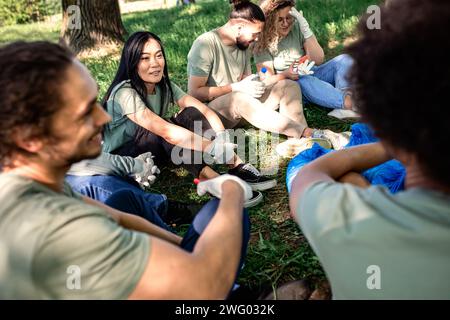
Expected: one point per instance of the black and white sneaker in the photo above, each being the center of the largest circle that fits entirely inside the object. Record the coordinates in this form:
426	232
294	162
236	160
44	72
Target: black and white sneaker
253	177
256	199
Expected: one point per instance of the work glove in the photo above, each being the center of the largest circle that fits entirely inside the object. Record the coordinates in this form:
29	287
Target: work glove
304	67
304	26
251	85
214	186
221	149
281	63
144	170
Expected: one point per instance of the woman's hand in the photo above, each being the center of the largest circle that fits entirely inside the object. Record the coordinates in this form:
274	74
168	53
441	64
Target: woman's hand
290	73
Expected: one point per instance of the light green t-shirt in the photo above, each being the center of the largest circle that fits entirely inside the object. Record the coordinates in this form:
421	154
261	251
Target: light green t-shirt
288	48
222	64
123	101
363	236
54	246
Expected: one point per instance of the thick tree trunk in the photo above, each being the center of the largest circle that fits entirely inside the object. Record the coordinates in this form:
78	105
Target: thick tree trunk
91	23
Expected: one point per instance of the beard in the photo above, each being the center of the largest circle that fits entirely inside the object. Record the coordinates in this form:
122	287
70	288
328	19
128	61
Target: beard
242	45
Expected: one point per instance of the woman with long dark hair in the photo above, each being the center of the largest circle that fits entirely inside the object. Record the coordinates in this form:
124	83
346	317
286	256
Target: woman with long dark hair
138	100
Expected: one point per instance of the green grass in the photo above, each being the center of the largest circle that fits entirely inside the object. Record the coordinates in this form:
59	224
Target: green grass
278	252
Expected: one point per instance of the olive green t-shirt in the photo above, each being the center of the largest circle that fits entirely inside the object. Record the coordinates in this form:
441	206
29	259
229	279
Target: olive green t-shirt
55	246
288	48
222	64
123	101
374	244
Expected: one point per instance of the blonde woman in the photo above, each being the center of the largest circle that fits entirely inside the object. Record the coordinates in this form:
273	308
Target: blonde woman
285	38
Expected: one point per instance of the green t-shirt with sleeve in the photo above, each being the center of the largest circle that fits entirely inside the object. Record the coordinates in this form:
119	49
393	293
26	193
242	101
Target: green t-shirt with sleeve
106	164
55	246
377	245
222	64
288	48
123	101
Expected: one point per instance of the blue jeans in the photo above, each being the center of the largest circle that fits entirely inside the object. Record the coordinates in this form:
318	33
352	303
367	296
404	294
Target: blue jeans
327	86
124	200
144	204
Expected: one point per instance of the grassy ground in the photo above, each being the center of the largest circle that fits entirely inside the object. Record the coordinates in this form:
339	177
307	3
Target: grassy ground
278	251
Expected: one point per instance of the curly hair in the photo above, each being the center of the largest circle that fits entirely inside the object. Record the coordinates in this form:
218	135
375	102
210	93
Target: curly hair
31	74
400	77
269	36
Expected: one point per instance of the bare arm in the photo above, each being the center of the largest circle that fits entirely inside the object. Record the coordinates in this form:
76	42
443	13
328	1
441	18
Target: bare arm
314	50
334	165
209	271
271	77
170	132
198	89
133	222
210	115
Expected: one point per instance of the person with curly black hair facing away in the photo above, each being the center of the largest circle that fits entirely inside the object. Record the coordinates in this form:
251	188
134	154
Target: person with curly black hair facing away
371	243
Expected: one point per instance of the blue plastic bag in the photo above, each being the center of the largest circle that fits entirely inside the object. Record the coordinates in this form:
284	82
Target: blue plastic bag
390	174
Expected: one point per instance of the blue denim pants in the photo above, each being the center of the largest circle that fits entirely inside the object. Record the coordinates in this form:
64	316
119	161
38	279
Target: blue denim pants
327	86
101	188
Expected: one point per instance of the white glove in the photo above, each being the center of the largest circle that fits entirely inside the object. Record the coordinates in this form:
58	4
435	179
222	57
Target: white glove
281	64
304	69
221	149
144	170
251	85
214	186
304	25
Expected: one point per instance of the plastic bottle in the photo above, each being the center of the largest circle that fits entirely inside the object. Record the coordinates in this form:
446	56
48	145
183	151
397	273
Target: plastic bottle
262	75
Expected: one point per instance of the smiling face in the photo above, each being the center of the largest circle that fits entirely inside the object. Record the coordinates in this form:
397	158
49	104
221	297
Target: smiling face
151	65
77	126
248	33
284	22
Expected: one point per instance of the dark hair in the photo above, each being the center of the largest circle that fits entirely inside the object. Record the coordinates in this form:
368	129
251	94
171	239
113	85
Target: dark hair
30	80
131	55
400	77
247	10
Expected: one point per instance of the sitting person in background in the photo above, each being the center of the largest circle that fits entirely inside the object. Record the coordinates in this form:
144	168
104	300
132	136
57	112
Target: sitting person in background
285	38
56	244
101	177
219	71
138	100
374	244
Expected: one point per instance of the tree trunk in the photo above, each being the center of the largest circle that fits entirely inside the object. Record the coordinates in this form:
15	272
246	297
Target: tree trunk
91	23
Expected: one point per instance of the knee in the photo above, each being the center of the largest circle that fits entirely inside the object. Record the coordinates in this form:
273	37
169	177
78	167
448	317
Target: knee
189	114
344	61
289	86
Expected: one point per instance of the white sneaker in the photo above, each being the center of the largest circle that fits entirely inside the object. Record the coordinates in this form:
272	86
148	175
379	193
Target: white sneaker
338	140
344	114
293	146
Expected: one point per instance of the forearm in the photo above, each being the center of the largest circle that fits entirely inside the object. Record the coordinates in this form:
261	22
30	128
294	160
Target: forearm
220	244
134	222
314	50
356	159
206	94
184	138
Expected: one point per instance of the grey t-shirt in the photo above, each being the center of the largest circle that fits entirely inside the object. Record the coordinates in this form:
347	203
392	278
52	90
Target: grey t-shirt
288	48
123	101
222	64
55	246
377	245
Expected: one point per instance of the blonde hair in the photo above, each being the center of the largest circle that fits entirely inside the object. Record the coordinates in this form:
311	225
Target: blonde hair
269	37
